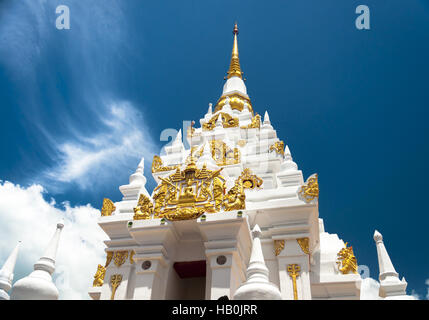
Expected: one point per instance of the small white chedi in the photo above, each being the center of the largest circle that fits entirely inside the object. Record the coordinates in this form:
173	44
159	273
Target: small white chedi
231	216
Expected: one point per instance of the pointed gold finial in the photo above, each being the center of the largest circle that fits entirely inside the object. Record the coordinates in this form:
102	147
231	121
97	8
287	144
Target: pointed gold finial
234	68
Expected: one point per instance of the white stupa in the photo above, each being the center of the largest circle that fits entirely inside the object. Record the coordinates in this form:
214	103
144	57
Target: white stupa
38	285
391	288
257	285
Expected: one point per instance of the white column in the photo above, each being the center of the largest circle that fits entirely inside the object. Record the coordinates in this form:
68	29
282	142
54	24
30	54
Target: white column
292	254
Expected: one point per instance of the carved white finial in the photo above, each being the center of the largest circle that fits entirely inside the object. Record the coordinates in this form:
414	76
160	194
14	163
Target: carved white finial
257	285
219	121
6	273
210	111
390	285
266	118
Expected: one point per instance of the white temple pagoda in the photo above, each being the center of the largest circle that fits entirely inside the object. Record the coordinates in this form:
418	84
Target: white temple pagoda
231	216
192	237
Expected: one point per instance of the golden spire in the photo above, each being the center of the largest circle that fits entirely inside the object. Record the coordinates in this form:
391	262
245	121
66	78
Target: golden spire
234	68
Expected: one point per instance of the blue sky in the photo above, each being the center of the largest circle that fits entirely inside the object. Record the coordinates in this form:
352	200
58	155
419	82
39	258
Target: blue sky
80	107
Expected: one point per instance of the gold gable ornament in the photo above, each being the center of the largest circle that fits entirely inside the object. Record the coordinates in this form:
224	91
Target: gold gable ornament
310	190
108	208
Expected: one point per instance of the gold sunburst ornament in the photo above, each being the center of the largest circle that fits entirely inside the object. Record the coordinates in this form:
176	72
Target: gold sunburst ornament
310	190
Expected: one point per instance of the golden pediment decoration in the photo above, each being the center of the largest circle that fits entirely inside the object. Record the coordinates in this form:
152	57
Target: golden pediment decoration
310	190
255	123
189	193
250	181
223	154
99	276
157	165
227	121
278	147
347	261
279	245
120	257
108	207
304	244
144	208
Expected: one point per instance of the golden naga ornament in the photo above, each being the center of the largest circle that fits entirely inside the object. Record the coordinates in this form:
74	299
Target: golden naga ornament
224	155
144	208
347	261
310	190
99	276
132	257
278	147
250	181
294	270
279	245
256	123
304	244
108	207
157	165
120	257
115	281
227	121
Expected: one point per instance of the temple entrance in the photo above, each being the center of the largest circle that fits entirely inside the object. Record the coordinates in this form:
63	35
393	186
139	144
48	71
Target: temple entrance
188	281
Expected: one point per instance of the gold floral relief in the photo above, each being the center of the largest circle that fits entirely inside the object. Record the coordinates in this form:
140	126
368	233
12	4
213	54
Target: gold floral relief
108	258
120	257
115	281
279	245
294	270
108	207
304	244
250	181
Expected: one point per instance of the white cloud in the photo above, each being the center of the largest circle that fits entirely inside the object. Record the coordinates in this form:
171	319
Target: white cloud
93	160
369	289
28	217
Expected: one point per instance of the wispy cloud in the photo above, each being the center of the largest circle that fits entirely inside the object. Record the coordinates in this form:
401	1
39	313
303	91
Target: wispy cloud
26	216
93	160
